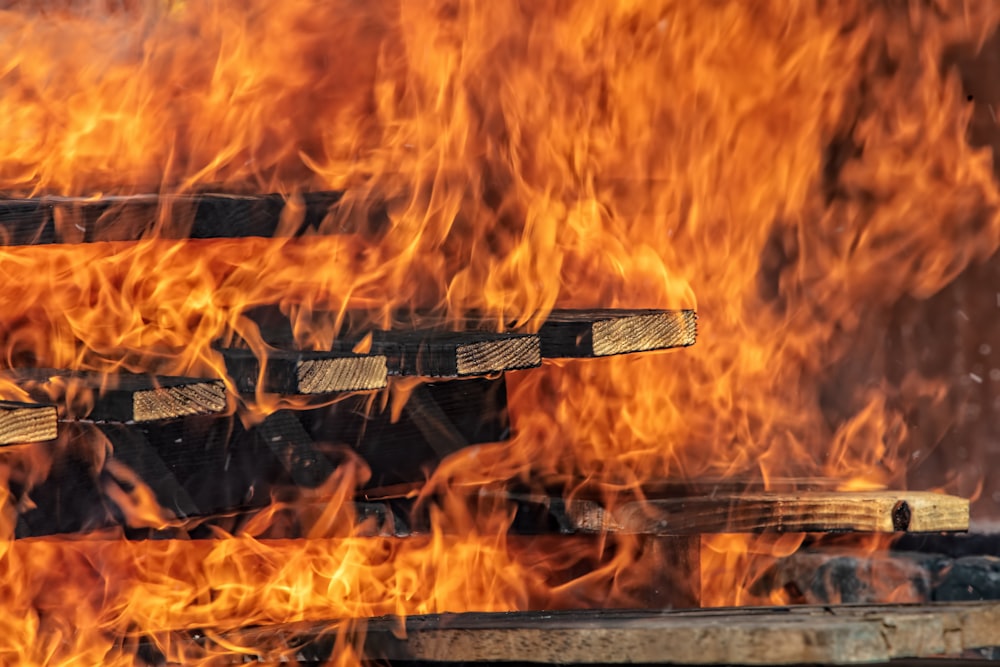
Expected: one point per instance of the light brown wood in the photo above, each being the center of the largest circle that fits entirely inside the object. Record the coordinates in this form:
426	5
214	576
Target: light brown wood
842	635
639	333
498	355
26	422
321	376
196	398
867	511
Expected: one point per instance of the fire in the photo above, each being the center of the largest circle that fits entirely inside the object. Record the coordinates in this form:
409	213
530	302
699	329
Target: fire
790	169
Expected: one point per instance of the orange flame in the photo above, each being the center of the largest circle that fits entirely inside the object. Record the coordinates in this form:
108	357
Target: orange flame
797	166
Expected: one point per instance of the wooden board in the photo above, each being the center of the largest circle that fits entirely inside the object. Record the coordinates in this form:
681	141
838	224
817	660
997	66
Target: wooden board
26	422
306	373
458	354
827	635
421	344
120	397
601	333
874	511
82	220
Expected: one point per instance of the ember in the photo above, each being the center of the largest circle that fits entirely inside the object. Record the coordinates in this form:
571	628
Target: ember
320	311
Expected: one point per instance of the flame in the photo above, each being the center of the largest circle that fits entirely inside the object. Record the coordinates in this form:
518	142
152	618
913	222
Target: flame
798	167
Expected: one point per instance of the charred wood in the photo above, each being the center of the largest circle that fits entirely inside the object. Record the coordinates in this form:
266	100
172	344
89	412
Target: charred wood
120	397
199	216
306	373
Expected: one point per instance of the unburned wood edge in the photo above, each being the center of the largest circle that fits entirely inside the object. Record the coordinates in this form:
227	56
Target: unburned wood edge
864	511
644	332
23	422
320	376
197	398
757	636
508	353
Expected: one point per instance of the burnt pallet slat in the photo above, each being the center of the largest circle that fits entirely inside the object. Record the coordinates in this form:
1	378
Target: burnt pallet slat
460	354
305	373
47	220
602	333
120	397
26	422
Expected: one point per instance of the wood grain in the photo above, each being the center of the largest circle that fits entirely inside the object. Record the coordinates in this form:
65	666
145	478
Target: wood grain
306	373
601	333
869	511
828	635
26	422
120	397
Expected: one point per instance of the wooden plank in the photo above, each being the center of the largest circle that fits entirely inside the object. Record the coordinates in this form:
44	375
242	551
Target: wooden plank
827	635
208	215
305	373
26	422
283	434
452	354
120	397
868	511
601	333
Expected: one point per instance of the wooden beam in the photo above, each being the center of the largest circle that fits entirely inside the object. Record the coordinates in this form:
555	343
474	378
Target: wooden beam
120	397
306	373
601	333
26	422
864	511
210	215
827	635
283	434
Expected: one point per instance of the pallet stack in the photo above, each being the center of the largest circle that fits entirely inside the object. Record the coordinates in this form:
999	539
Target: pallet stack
184	438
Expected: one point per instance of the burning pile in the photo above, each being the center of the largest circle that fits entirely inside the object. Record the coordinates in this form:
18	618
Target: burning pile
799	167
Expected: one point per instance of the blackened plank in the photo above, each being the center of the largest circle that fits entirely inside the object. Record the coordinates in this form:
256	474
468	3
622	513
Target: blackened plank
600	333
131	447
74	220
26	422
120	397
293	372
444	354
474	410
283	434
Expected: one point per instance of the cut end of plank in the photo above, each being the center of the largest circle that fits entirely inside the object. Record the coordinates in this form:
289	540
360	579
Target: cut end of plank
321	376
657	330
505	354
196	398
26	422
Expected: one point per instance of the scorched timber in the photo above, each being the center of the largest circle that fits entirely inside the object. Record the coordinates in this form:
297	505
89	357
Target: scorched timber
305	373
200	216
869	511
838	635
26	422
120	397
602	333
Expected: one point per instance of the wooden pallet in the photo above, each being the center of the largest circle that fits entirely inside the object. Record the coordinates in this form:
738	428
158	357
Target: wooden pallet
26	422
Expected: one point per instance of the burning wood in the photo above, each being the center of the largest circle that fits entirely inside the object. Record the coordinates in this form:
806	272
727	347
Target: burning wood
795	171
